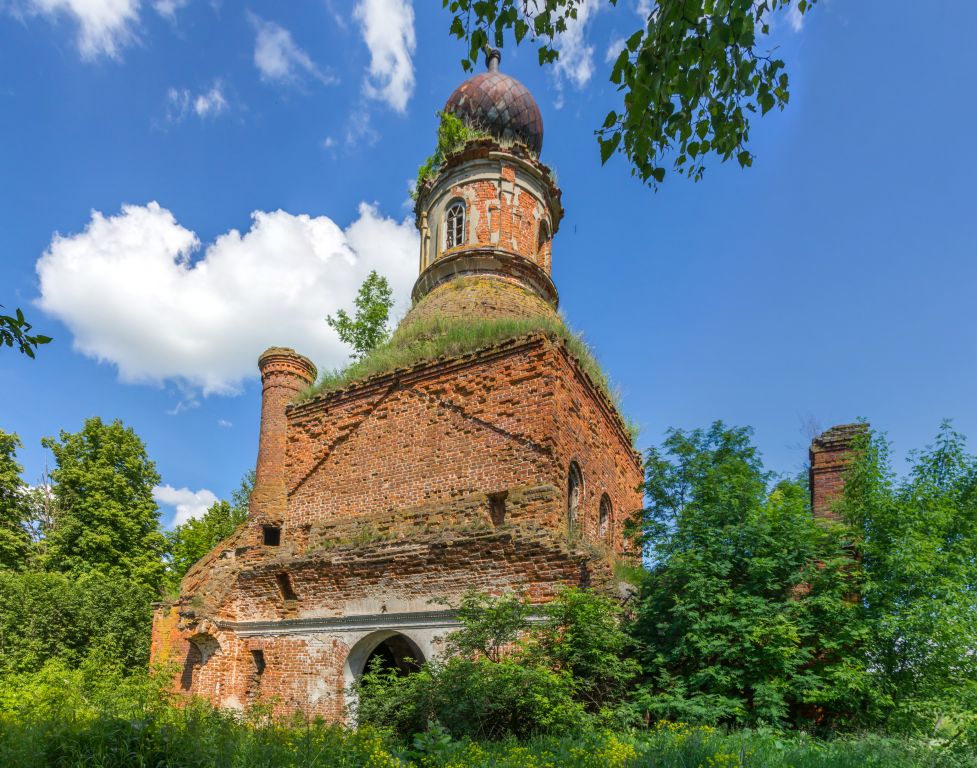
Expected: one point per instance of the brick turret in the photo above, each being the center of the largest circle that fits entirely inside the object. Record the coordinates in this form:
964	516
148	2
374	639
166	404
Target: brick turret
284	373
492	208
831	455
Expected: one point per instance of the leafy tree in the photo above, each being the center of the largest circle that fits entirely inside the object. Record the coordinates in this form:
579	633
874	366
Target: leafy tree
107	520
470	697
14	538
368	328
747	614
489	625
45	616
189	542
14	329
689	79
510	669
583	634
917	539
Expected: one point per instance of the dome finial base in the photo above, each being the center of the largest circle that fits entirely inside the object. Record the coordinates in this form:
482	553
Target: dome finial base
493	57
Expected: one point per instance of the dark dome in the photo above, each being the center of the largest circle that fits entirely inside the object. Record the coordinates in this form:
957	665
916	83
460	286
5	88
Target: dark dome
500	105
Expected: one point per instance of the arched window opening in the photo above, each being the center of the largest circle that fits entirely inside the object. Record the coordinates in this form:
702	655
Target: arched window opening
574	495
454	229
604	522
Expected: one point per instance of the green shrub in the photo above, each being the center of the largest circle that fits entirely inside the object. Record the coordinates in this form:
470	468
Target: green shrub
453	134
511	670
53	615
474	698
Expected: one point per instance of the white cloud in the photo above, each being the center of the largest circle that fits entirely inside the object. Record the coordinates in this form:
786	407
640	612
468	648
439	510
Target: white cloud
168	8
181	101
105	27
212	103
795	18
359	129
388	31
189	504
279	58
177	104
224	424
614	50
576	62
132	295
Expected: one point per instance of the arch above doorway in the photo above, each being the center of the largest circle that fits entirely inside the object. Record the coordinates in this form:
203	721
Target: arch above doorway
394	648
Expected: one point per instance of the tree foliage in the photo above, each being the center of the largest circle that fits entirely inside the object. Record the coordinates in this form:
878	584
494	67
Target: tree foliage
14	509
107	519
189	542
511	669
690	79
46	616
917	539
16	331
368	328
746	616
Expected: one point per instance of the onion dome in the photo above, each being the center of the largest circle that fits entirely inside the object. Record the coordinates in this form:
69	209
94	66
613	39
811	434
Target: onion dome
499	104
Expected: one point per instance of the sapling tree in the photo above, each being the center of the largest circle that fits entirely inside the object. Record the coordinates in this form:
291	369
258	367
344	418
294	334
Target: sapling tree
368	327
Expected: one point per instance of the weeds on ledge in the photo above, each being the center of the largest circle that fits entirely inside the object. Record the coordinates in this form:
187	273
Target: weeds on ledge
451	337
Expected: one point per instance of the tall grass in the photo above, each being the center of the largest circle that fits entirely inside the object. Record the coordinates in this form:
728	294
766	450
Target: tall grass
449	337
97	718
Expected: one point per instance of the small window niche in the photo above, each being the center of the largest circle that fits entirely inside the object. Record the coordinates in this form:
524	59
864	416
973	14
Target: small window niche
574	496
257	670
497	507
284	582
271	535
542	243
604	522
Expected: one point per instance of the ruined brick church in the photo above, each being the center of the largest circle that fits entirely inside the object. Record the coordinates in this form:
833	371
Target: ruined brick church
378	505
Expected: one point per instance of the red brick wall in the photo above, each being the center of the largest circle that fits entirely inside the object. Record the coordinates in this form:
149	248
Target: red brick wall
589	433
500	213
500	421
831	456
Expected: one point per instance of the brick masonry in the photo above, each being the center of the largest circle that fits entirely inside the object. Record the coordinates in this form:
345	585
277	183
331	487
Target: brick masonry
831	456
376	507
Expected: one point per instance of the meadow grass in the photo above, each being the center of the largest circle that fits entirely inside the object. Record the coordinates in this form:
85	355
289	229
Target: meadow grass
198	736
64	718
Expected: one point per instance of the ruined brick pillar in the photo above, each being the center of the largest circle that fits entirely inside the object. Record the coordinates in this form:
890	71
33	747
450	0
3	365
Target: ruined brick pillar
284	373
831	455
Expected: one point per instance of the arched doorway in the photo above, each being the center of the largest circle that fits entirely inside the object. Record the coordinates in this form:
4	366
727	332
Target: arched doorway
397	654
394	650
391	649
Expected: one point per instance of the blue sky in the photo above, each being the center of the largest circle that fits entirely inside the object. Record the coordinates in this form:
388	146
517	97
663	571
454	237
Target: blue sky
833	280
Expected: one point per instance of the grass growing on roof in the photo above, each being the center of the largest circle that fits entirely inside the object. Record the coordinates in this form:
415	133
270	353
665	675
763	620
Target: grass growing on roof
453	134
450	337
